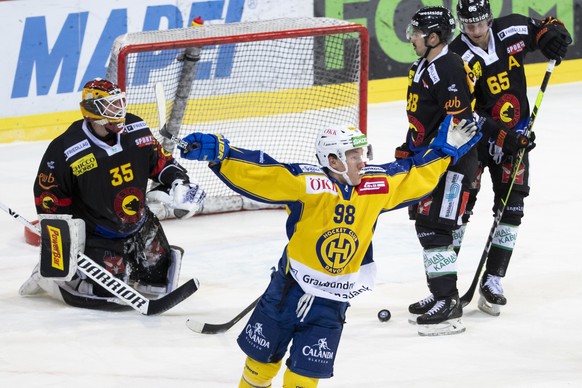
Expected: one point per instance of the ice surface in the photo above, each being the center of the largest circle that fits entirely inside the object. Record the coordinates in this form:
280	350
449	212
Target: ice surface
536	342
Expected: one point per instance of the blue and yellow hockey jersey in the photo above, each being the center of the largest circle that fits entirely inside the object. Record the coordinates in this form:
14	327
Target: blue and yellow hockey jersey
330	225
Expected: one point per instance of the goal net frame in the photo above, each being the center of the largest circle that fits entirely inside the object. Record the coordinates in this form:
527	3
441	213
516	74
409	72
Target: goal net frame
191	42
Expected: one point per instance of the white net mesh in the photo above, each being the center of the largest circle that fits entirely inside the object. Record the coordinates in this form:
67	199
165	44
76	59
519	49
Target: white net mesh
268	85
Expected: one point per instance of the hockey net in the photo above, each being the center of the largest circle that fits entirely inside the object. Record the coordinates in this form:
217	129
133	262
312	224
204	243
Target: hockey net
269	85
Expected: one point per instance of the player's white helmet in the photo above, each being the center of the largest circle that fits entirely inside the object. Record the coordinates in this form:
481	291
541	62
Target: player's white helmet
337	140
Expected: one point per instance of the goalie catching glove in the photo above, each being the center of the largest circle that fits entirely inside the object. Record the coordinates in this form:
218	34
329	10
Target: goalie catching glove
207	147
181	200
553	39
456	140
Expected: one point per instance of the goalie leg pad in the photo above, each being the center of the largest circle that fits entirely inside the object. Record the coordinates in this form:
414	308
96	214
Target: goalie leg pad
36	284
78	293
173	276
150	257
62	238
31	286
174	269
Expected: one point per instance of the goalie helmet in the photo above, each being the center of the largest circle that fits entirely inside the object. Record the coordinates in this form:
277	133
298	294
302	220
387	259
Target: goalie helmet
337	140
433	19
104	103
473	11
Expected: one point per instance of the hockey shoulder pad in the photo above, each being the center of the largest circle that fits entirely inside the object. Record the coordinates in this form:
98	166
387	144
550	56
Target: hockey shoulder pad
62	237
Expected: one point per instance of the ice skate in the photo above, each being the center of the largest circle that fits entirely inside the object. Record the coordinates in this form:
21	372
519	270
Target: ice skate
491	298
443	318
419	308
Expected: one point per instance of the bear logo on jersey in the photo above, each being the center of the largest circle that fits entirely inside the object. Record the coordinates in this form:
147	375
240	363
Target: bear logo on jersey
48	201
507	110
128	205
418	130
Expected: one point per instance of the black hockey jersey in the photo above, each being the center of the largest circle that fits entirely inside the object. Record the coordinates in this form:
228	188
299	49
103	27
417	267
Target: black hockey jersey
501	88
102	184
435	89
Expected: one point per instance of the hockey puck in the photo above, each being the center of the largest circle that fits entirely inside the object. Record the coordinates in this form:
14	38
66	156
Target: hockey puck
384	315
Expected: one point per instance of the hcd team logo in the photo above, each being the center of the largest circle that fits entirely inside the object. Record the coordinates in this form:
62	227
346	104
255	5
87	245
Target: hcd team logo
336	248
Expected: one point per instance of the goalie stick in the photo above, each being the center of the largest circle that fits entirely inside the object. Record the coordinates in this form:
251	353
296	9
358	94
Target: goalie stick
161	103
122	291
215	328
468	296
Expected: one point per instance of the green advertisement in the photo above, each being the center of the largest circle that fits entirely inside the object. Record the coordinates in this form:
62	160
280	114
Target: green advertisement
391	54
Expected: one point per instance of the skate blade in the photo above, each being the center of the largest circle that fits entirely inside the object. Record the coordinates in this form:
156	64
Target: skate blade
451	326
489	308
412	318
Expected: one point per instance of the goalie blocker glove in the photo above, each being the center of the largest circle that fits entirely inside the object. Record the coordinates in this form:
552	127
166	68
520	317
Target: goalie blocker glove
553	39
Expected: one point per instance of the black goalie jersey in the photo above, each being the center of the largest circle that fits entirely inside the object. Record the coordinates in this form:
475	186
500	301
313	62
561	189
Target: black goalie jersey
102	184
500	87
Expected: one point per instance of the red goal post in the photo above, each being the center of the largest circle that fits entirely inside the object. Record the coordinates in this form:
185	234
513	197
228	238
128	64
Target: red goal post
269	85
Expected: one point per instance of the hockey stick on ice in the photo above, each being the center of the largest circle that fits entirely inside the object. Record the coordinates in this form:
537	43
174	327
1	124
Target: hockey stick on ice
117	287
468	296
161	103
215	328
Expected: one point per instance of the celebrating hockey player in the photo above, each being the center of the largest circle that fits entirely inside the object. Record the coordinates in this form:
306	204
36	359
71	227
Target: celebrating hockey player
333	209
495	50
438	85
97	171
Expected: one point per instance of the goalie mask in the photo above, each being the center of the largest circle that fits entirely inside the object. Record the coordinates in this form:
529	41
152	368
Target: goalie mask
337	140
104	103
